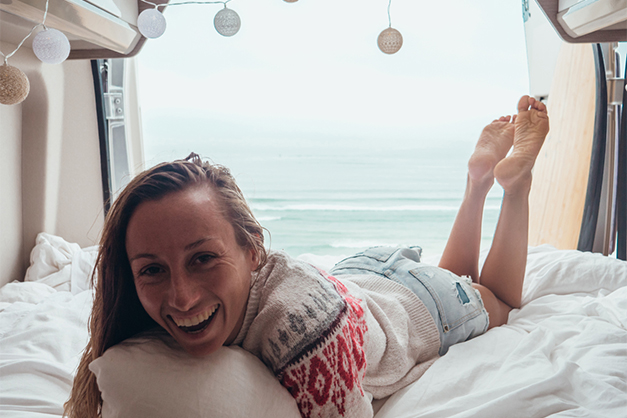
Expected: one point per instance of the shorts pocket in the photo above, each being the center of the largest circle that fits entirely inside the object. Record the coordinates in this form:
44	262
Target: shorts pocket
453	303
425	277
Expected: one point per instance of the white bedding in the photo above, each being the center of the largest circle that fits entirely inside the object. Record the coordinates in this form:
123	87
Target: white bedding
564	353
43	329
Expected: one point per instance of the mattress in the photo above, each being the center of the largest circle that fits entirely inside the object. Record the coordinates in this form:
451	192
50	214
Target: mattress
563	354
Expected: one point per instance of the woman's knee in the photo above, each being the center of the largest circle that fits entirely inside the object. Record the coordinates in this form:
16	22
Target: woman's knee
498	310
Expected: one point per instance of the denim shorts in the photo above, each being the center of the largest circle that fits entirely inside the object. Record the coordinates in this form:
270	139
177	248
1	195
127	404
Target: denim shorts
454	304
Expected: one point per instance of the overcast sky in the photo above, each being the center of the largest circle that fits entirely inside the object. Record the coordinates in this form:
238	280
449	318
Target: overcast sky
313	67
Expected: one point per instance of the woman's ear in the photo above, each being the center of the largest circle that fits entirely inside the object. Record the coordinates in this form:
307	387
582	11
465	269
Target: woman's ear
255	253
254	257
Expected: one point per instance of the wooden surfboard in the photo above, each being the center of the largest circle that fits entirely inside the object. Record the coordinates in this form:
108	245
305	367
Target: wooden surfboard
560	176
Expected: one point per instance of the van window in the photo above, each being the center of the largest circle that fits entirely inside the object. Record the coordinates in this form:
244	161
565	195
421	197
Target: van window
336	145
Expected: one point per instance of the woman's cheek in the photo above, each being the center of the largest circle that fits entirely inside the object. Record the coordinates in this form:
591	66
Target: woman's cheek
147	297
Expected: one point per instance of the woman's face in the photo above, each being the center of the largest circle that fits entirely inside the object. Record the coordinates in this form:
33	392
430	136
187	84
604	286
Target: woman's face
191	276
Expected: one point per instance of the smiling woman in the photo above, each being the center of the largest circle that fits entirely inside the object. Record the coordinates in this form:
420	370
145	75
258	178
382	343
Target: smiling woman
182	253
338	147
191	275
316	123
165	268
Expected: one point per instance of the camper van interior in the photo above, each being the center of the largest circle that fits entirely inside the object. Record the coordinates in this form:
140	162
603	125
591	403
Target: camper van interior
73	134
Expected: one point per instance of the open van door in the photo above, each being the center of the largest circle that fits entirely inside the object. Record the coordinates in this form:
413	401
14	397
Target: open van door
576	201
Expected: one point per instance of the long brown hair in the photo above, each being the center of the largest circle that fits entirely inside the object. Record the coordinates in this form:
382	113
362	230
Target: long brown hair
117	313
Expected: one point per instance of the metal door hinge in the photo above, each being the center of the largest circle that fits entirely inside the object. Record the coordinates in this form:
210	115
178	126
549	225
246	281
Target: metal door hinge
114	105
615	91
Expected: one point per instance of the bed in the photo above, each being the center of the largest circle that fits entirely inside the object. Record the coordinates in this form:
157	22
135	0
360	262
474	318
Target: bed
563	354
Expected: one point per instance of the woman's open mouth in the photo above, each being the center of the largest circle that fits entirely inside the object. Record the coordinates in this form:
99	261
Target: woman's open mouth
198	323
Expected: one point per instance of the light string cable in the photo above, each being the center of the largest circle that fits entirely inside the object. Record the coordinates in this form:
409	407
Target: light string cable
152	24
389	15
43	23
185	2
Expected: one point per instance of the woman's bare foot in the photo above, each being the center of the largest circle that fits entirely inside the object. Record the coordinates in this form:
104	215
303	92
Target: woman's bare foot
494	143
532	125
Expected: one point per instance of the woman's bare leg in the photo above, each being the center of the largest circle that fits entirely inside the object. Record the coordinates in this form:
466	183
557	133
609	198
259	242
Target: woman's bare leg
461	254
504	269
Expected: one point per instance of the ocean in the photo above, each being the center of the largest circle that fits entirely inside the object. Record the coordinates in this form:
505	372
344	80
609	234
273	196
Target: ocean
338	198
336	145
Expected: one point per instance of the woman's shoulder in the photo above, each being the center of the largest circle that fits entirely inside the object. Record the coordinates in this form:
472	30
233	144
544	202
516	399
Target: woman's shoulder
281	265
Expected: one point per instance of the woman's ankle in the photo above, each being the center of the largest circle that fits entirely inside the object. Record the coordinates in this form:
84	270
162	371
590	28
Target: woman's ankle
519	188
478	190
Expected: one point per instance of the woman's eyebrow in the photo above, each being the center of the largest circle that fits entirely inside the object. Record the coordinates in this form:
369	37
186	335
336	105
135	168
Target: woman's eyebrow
143	255
187	248
197	243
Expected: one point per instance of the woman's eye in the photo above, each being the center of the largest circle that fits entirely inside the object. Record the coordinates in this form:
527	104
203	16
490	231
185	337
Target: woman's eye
150	271
203	259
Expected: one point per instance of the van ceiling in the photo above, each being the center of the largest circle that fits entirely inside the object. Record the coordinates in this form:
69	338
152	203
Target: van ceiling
92	31
108	28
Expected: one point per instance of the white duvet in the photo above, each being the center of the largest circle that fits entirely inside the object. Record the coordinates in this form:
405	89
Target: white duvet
563	354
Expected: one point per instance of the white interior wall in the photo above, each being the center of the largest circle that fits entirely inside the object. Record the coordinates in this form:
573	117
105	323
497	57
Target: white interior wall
11	263
49	161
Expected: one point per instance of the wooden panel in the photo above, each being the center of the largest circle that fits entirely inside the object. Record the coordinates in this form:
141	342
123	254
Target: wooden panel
560	175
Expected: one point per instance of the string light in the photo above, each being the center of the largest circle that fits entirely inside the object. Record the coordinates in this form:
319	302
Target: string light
14	85
226	21
50	46
151	23
390	40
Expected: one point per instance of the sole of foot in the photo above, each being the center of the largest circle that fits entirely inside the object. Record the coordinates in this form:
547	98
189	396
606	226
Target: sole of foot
494	143
531	128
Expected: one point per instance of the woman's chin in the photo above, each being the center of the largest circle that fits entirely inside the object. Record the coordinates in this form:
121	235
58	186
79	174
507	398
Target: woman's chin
199	348
198	343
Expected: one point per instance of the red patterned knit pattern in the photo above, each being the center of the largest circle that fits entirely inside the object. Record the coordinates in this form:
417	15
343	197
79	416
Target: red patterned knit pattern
326	379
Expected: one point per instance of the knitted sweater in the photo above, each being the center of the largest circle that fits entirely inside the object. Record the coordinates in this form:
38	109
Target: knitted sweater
330	341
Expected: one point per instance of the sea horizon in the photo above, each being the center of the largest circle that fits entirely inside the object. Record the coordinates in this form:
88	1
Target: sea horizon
313	200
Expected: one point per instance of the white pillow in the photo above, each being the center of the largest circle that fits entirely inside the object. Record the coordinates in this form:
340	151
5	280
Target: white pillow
62	265
152	377
565	272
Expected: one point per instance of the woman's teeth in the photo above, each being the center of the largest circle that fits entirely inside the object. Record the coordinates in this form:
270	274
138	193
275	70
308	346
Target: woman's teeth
193	322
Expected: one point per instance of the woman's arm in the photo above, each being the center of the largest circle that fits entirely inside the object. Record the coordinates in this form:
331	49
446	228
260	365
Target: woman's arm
311	333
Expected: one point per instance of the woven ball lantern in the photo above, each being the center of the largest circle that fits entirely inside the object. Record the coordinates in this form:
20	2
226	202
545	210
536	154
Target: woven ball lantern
14	85
51	46
151	23
227	22
390	41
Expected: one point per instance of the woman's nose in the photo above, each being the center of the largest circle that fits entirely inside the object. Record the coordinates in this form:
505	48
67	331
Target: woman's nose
183	292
